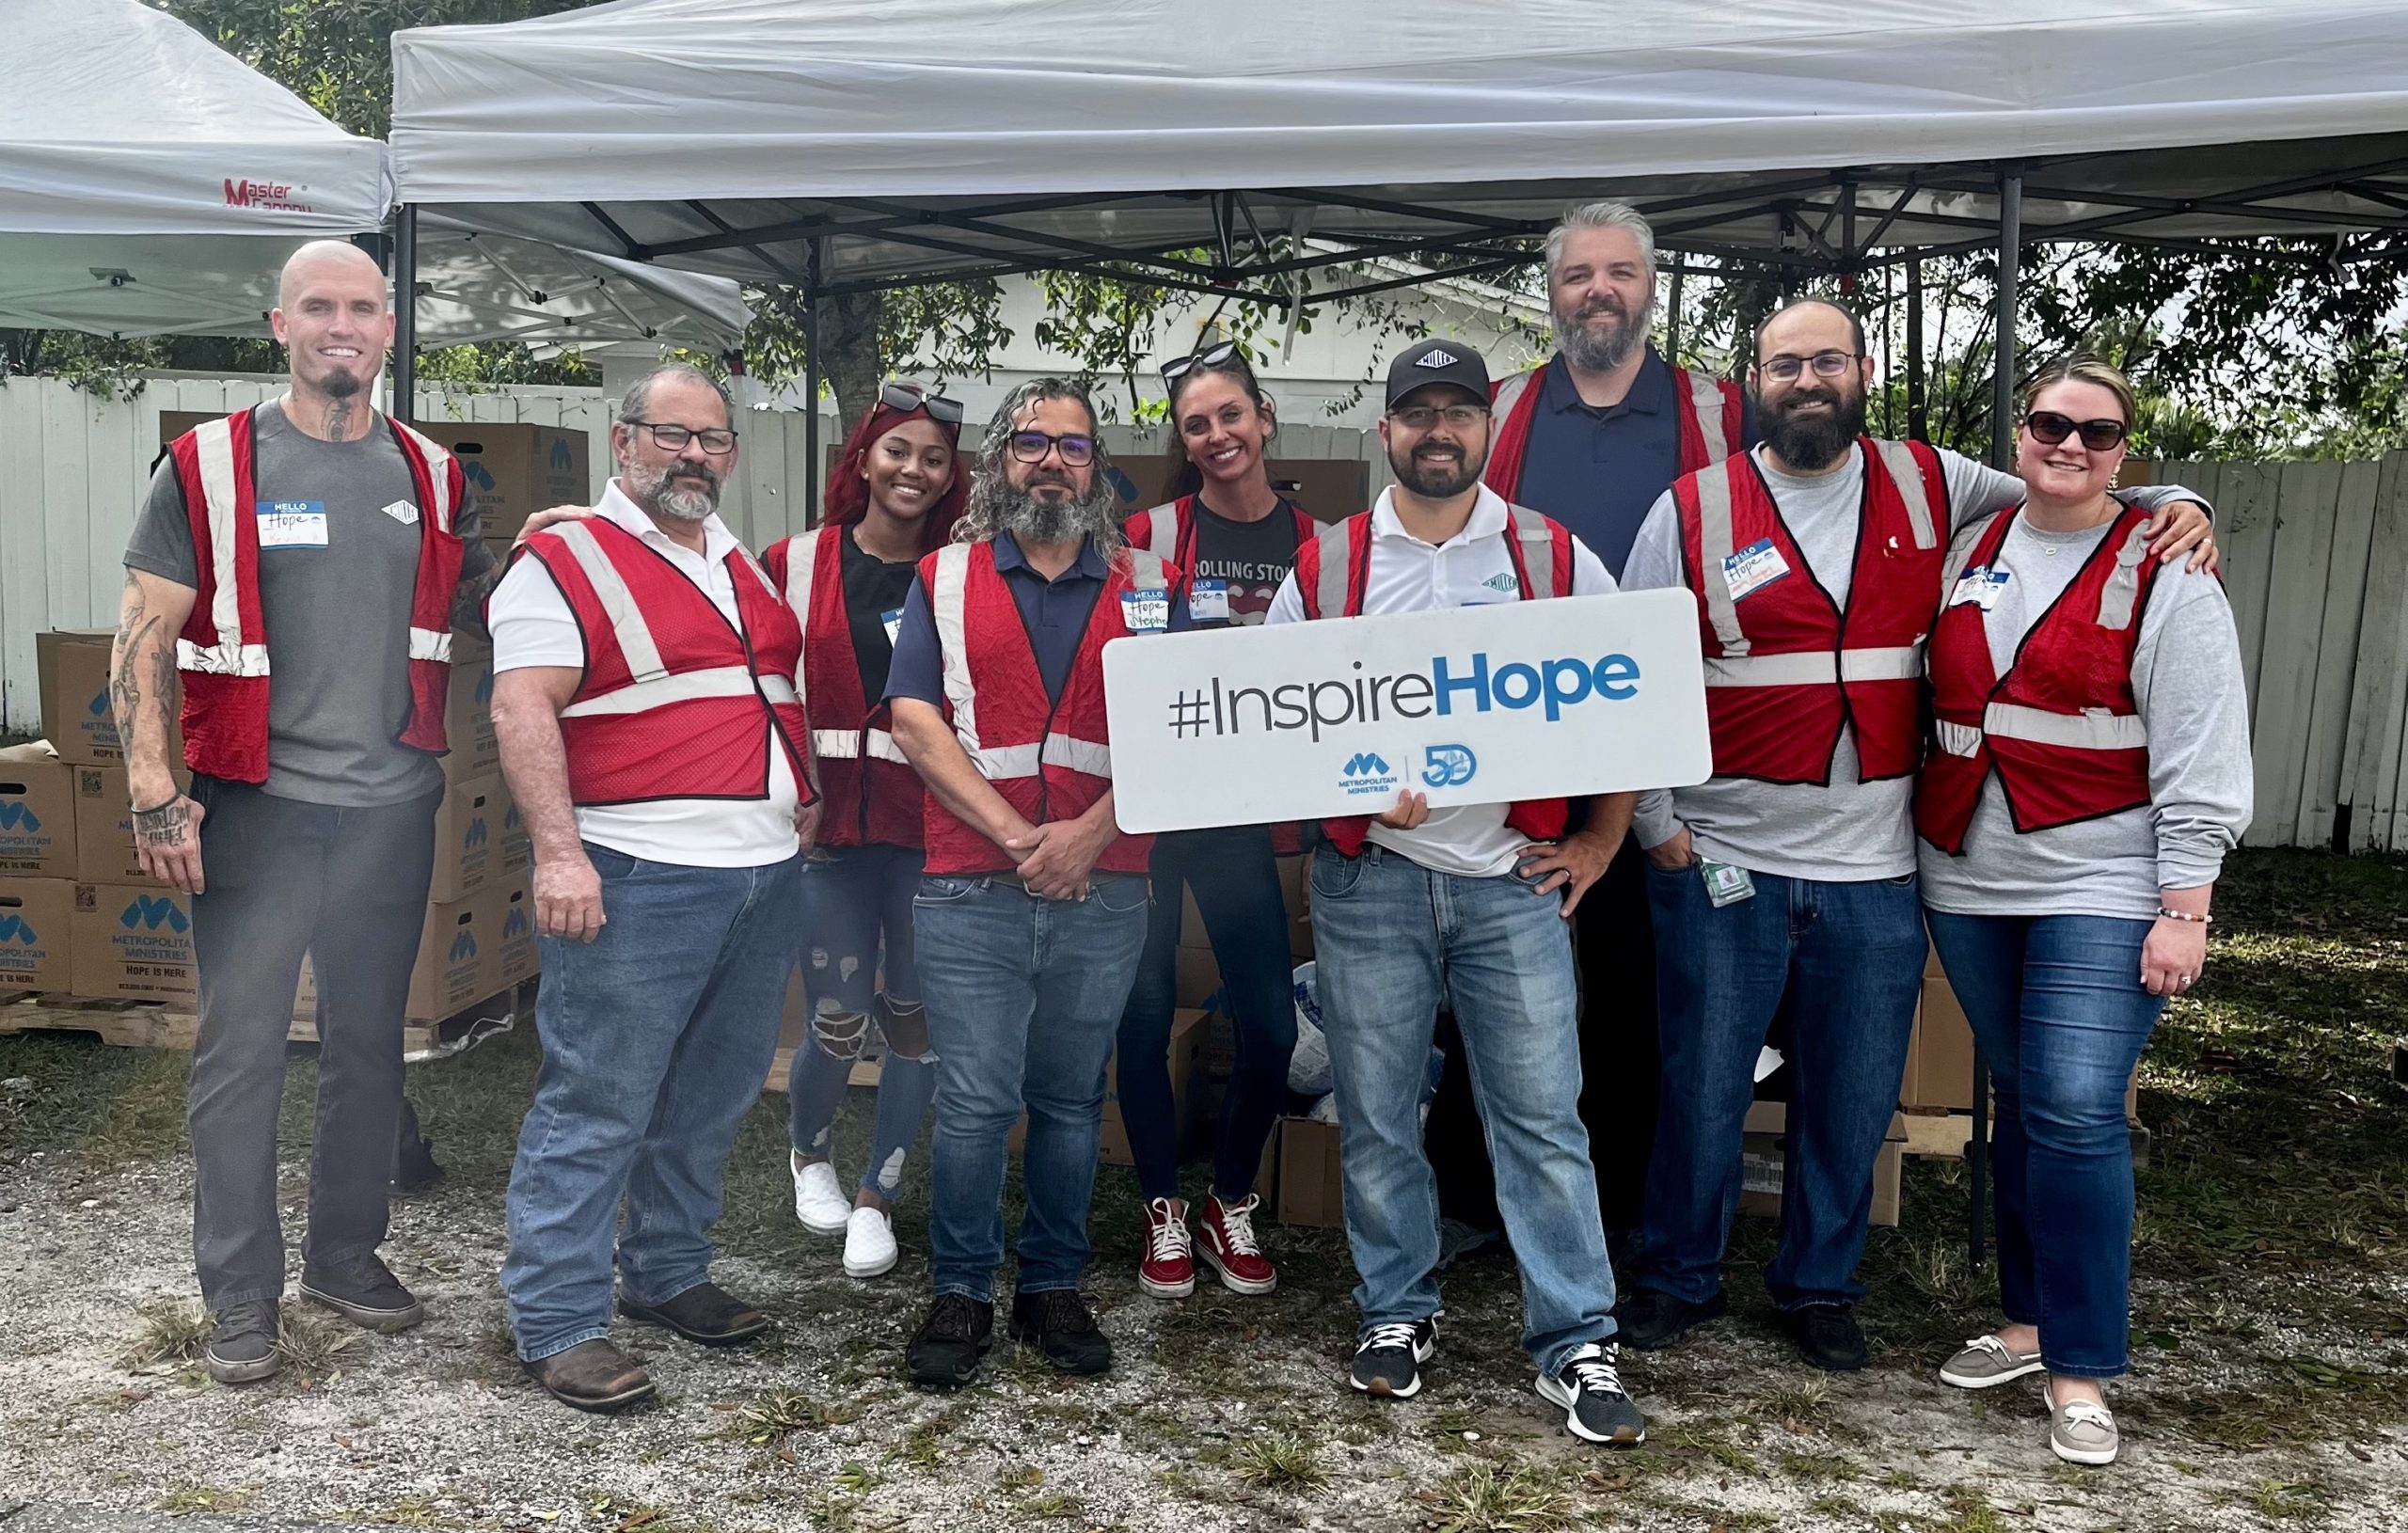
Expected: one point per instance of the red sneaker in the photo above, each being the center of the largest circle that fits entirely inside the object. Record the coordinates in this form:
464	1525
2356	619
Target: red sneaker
1229	1245
1168	1269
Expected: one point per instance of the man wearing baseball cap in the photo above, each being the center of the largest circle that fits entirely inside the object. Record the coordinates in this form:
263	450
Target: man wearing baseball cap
1465	905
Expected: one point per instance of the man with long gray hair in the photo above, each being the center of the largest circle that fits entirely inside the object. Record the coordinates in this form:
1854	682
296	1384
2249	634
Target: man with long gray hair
644	696
1031	914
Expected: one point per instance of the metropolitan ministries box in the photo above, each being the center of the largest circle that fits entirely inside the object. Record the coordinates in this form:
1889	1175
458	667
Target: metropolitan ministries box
515	469
134	941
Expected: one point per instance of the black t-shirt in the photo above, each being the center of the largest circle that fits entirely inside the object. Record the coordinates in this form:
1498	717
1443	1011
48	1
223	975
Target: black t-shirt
874	592
1249	559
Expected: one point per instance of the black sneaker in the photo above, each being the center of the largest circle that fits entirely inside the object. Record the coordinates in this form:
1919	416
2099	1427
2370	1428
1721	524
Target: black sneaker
364	1291
242	1345
1595	1406
945	1352
1827	1335
1650	1319
1388	1359
1058	1324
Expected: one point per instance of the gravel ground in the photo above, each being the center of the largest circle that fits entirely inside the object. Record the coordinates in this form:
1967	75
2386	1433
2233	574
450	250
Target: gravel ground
1224	1412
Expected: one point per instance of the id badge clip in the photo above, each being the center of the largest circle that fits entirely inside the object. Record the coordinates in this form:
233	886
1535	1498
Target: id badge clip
1726	884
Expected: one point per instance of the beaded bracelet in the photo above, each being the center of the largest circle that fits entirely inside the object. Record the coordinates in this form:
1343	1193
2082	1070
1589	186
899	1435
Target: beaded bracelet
2165	914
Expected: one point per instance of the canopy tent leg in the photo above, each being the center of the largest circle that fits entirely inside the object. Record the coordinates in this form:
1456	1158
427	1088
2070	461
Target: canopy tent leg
813	282
1918	415
2010	257
405	402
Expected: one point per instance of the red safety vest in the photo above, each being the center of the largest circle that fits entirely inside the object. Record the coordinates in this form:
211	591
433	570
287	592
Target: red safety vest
676	701
872	793
1331	572
2061	728
1168	532
1786	669
1710	413
222	650
1050	758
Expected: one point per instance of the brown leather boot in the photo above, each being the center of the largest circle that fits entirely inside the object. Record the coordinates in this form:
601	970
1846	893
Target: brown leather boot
593	1376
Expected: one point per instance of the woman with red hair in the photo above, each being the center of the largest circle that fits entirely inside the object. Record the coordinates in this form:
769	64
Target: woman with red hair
895	494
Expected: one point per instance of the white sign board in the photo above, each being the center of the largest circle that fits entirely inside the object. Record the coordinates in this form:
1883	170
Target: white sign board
1469	705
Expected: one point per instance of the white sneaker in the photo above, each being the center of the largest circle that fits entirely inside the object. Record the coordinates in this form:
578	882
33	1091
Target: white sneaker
869	1243
819	1200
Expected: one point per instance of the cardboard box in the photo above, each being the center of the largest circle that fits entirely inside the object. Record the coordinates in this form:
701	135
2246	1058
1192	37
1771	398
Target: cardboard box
456	958
1329	489
467	713
1760	1163
1311	1189
174	423
467	838
1939	1056
134	940
104	825
73	664
515	469
37	934
1188	1034
37	813
511	905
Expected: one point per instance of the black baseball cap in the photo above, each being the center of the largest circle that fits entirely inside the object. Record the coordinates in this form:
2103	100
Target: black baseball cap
1430	362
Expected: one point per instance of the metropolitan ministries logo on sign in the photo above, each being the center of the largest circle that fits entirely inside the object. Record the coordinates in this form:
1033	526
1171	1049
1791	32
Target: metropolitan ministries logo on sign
1365	772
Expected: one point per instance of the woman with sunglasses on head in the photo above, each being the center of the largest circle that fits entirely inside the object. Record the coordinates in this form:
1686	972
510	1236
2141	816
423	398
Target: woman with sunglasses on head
895	494
2090	769
1236	537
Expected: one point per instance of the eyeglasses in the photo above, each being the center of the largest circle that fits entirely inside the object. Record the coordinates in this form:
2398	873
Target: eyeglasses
717	441
1423	416
2048	428
1211	357
907	397
1077	451
1786	369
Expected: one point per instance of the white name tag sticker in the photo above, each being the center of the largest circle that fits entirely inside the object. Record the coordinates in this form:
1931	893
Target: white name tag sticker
893	622
1979	587
1146	608
1208	601
1752	568
293	524
403	512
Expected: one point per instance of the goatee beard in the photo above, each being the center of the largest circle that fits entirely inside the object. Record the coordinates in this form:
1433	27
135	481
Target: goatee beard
1595	352
653	491
1813	442
1033	518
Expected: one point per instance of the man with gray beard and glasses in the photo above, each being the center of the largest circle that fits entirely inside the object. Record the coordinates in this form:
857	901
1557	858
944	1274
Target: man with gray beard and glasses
645	695
1031	914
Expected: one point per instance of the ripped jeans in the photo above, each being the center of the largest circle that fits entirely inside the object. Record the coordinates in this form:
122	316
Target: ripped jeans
853	897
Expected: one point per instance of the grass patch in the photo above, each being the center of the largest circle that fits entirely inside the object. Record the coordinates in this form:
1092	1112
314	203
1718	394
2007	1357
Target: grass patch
171	1331
186	1499
1280	1463
313	1346
1484	1500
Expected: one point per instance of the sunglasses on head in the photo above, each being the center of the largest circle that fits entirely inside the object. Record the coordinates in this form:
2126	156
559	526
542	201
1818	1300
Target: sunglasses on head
2048	428
1211	357
903	396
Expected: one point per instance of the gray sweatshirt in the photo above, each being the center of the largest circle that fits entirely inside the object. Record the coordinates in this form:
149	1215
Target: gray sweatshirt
1851	831
2188	681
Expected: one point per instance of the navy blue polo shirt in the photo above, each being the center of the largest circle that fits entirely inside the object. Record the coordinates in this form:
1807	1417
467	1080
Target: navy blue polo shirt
1054	613
1598	471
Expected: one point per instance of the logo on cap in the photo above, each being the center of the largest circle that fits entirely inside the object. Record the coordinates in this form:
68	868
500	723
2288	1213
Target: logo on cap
1438	359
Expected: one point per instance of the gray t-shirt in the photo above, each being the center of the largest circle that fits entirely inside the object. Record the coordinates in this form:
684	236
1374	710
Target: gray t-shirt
338	617
2189	684
1851	831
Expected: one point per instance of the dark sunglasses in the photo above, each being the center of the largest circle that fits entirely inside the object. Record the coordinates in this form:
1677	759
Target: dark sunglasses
2048	428
903	396
1211	357
1077	450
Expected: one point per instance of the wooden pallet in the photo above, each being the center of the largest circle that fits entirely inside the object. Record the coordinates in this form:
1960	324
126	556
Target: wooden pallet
1947	1134
137	1025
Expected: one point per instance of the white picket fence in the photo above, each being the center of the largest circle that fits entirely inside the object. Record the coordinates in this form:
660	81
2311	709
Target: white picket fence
2316	559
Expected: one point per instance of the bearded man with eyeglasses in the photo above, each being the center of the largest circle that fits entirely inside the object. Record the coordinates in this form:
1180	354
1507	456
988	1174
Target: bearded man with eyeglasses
1786	883
1031	914
644	696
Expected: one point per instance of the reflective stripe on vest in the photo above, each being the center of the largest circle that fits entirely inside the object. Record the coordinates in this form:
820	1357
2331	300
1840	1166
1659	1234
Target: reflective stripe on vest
1510	392
1538	551
1162	530
1714	547
628	626
214	447
2122	591
1904	472
1336	577
854	744
1706	400
1814	668
802	562
1329	589
685	686
948	605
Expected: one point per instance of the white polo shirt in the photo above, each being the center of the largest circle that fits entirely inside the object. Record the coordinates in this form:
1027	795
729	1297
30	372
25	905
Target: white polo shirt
1473	568
532	625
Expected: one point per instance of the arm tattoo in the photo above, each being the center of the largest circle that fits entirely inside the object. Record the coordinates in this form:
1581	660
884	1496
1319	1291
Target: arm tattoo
479	572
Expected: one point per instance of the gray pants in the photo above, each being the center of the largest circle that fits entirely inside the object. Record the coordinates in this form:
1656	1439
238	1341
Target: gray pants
282	879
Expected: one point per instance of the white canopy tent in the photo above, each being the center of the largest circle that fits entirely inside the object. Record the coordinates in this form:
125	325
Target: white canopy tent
150	184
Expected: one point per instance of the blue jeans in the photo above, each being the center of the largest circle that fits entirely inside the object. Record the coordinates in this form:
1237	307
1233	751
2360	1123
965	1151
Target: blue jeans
1394	940
1023	996
656	1037
856	902
2058	1006
1236	881
1847	958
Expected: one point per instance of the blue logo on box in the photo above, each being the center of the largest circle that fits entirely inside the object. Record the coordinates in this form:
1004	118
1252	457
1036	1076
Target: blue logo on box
18	817
477	834
1447	766
16	929
464	946
515	924
562	459
476	473
148	912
